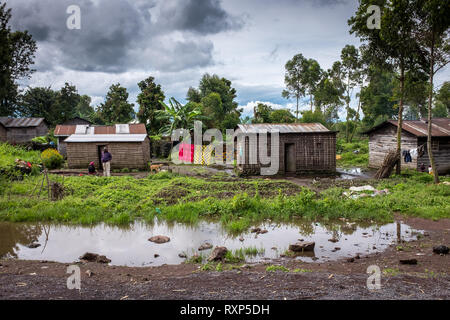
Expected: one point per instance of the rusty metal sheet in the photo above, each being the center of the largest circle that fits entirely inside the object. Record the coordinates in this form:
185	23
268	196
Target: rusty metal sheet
283	128
67	130
64	130
21	122
440	127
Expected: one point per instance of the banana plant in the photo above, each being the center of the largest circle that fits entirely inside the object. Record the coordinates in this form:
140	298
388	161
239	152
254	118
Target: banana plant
178	116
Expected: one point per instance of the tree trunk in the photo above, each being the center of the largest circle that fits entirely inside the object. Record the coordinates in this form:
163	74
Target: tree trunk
357	119
296	120
347	129
430	102
400	119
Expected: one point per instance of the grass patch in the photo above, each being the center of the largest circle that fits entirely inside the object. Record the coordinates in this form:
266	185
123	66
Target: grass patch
274	268
237	204
352	154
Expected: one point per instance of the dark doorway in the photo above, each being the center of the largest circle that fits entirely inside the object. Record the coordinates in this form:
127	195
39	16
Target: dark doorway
100	151
289	157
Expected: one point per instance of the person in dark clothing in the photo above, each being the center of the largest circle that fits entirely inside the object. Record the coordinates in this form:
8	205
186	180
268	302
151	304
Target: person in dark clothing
91	168
422	167
106	161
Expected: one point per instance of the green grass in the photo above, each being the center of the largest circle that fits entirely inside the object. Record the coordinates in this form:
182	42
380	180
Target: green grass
237	204
9	153
350	159
274	268
121	200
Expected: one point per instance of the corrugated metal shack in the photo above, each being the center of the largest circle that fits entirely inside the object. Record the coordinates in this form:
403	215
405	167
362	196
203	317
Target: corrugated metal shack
303	147
383	138
128	144
22	130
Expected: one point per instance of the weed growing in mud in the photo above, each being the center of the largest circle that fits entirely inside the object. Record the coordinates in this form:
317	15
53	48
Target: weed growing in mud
195	259
391	272
301	270
274	268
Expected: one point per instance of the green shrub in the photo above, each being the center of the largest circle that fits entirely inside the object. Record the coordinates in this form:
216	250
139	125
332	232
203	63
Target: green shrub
52	159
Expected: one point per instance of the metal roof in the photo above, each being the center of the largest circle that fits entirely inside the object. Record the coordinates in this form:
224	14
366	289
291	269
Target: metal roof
67	130
106	138
283	128
440	127
20	122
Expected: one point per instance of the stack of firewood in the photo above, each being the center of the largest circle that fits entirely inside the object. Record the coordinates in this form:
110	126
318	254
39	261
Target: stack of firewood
389	163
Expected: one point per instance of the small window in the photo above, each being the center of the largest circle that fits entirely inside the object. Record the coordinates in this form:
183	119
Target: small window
434	145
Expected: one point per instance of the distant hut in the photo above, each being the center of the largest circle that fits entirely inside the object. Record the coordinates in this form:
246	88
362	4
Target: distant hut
303	147
128	144
77	120
22	130
383	138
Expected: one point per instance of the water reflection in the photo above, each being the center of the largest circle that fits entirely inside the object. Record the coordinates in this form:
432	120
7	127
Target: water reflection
130	245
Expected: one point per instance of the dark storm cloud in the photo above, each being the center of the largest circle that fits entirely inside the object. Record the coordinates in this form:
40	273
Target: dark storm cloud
112	30
203	16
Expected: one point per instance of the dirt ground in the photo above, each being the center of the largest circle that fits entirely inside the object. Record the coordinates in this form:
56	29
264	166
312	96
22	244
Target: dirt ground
429	279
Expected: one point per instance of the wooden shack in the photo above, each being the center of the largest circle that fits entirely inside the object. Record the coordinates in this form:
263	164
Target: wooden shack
3	135
22	130
128	144
383	138
303	147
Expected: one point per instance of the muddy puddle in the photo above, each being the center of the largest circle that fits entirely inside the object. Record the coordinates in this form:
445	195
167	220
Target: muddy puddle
130	246
354	173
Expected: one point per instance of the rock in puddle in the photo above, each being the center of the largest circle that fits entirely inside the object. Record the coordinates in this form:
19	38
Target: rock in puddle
182	255
302	246
441	249
218	254
408	261
159	239
241	239
33	245
205	246
93	257
156	255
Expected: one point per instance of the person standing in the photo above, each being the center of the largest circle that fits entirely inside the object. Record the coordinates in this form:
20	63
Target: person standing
106	161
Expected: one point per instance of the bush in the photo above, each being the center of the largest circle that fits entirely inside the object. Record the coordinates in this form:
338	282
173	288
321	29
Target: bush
52	159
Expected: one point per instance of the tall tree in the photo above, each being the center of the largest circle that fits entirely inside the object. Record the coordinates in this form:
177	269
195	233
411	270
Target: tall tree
262	113
416	93
84	109
149	102
295	87
393	45
434	22
281	116
67	100
40	103
116	108
328	96
17	51
376	97
222	114
350	75
301	78
443	95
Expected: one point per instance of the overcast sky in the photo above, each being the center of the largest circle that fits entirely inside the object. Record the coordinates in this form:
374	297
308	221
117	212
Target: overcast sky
177	41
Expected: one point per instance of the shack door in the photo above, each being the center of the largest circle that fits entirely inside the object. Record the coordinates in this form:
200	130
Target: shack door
100	152
289	157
